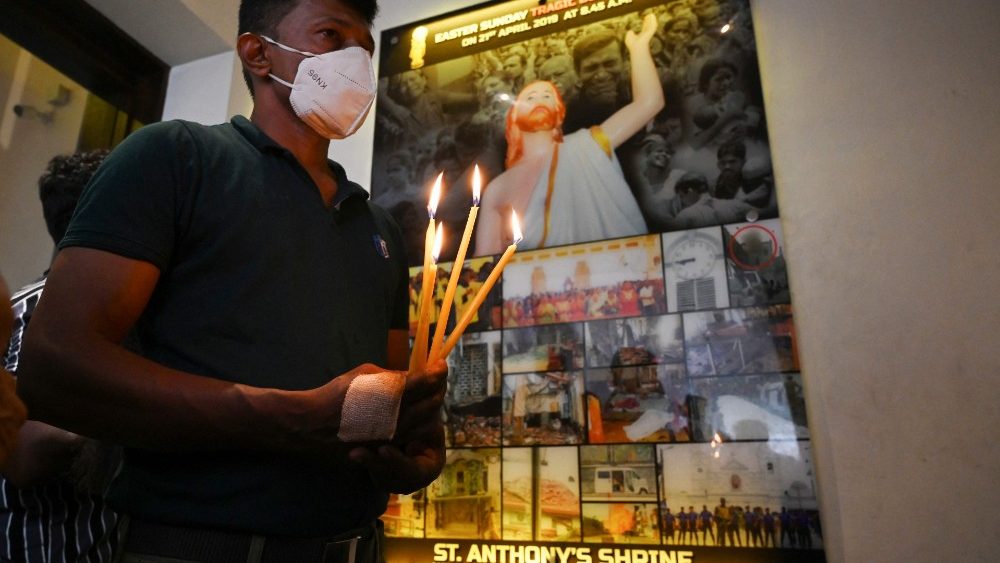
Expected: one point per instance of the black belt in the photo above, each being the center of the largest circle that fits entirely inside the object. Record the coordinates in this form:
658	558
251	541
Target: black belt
361	545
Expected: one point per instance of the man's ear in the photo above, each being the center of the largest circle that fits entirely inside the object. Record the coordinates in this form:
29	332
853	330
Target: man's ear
252	53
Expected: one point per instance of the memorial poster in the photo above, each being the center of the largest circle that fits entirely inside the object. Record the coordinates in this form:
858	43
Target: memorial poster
631	390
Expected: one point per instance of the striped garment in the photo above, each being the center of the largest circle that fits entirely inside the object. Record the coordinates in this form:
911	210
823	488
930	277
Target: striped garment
53	522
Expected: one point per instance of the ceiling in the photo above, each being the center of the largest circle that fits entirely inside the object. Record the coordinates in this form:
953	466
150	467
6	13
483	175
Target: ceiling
181	31
176	31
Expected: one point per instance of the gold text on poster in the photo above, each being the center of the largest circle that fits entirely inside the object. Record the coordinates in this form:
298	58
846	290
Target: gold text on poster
518	22
498	553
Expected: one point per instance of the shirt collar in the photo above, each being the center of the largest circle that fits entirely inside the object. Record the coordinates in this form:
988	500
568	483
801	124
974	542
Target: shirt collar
345	187
254	135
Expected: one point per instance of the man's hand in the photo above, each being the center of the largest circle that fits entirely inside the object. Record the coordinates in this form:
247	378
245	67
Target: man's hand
319	423
422	401
632	39
416	455
43	452
404	468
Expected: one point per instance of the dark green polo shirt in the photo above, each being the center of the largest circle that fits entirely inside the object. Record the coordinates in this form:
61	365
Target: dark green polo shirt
260	284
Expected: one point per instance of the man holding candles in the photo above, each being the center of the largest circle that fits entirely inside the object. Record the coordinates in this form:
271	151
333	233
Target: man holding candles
269	299
570	189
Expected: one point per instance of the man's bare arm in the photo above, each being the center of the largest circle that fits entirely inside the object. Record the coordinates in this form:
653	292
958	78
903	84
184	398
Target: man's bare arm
647	93
42	453
75	374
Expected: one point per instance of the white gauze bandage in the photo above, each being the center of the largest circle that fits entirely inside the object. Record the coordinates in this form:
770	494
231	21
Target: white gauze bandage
371	407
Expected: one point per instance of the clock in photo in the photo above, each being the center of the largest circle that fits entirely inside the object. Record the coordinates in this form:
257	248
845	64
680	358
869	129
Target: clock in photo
695	270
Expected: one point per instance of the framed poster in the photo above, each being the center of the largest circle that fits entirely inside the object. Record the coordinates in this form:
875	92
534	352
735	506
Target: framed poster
593	119
637	363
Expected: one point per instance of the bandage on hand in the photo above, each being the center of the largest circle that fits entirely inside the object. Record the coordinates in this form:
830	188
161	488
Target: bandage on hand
371	407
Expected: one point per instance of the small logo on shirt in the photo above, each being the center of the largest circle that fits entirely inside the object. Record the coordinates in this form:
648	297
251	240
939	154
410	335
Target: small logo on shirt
380	246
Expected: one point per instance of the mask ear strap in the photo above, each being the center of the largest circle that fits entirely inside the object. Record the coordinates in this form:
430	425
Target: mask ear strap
280	81
287	48
275	78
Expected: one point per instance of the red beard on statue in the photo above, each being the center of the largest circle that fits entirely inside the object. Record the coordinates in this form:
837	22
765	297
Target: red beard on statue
540	118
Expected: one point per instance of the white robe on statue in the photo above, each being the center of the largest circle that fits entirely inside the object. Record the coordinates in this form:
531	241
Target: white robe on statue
590	199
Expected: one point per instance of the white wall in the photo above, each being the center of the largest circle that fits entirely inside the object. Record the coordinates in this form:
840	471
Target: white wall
884	121
884	126
201	90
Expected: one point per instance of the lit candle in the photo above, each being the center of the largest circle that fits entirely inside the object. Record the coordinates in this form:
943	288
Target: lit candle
418	357
426	294
456	269
470	312
431	210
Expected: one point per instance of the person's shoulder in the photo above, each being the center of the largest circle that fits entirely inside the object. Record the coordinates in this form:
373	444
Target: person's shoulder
153	137
381	214
587	146
495	193
164	146
170	129
175	131
384	221
160	141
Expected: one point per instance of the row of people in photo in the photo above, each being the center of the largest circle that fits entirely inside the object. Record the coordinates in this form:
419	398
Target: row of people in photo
736	526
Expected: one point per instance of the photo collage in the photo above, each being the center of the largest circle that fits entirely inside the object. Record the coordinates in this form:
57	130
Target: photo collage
597	401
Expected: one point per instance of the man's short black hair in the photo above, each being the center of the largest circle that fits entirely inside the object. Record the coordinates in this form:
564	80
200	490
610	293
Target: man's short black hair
692	181
653	140
732	148
60	187
709	69
520	56
262	17
593	42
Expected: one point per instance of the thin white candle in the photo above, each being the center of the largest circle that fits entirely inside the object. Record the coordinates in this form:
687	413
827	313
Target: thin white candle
418	358
477	301
423	314
456	269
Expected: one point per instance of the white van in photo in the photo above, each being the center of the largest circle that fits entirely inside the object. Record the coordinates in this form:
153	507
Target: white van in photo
612	481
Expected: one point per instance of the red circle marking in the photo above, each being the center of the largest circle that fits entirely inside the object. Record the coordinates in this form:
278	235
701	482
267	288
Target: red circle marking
745	266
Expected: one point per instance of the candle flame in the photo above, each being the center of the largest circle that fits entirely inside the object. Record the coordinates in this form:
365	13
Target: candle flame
438	240
716	442
477	184
515	227
432	205
725	28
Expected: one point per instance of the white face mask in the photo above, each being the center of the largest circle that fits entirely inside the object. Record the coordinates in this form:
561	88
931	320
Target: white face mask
333	91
